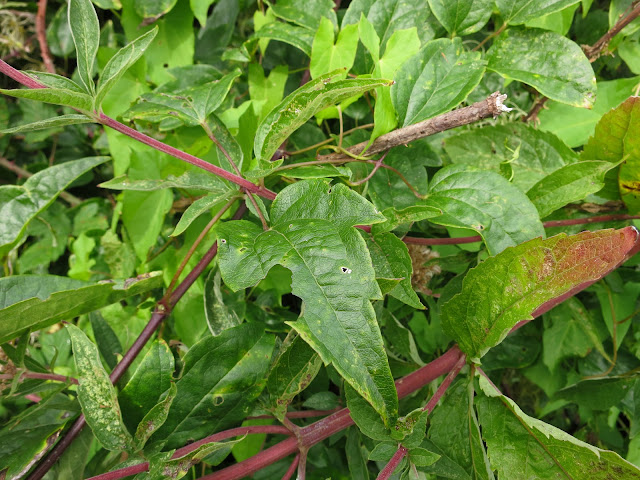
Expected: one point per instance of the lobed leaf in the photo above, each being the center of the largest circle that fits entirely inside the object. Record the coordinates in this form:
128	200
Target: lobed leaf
30	302
327	56
302	104
19	204
97	395
525	280
538	448
549	62
486	202
435	80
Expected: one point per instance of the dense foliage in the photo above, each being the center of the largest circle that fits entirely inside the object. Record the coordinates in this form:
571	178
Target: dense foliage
221	220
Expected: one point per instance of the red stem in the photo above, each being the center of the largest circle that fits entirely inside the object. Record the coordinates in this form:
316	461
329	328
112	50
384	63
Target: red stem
41	376
388	470
292	468
433	401
41	33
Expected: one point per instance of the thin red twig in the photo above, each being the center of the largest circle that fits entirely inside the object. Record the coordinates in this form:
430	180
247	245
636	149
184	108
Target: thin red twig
41	33
395	461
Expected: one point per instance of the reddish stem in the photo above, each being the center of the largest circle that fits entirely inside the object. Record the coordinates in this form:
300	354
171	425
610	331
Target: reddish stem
388	470
433	401
41	33
292	468
41	376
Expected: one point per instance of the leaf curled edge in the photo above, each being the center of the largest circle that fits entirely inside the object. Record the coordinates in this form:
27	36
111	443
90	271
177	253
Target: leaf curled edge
529	279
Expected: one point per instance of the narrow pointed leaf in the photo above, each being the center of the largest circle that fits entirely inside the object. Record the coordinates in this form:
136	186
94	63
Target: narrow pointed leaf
53	80
435	80
154	418
540	449
97	395
396	218
526	280
486	202
21	204
568	184
85	31
615	139
556	67
120	62
303	104
221	378
299	37
37	301
193	179
56	96
61	121
197	208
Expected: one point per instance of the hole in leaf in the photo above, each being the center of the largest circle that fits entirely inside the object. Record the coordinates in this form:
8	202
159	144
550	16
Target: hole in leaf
222	240
345	270
218	400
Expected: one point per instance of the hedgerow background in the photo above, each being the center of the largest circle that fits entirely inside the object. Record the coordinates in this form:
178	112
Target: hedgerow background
223	220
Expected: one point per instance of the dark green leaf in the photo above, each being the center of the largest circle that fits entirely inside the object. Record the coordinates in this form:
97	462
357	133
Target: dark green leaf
312	236
149	382
355	455
435	80
396	218
299	37
222	311
154	418
556	67
34	301
120	62
598	393
486	202
568	184
85	31
542	449
302	104
365	417
306	14
221	378
106	339
525	278
462	17
295	368
191	179
422	457
97	395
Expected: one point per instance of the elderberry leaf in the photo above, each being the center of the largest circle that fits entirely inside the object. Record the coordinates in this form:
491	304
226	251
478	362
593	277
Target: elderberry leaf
524	281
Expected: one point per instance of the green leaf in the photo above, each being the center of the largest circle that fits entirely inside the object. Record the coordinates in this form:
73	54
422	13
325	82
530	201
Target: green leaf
556	67
53	80
485	202
30	434
383	452
197	208
598	393
153	9
365	417
312	235
435	80
299	37
396	218
570	333
62	120
221	378
108	344
268	89
97	395
422	457
515	12
454	429
56	96
148	383
568	184
294	369
614	141
220	315
302	104
574	125
155	418
524	279
143	217
542	449
120	63
85	31
392	264
531	154
200	8
327	57
306	14
37	301
206	99
191	179
355	455
21	204
462	17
